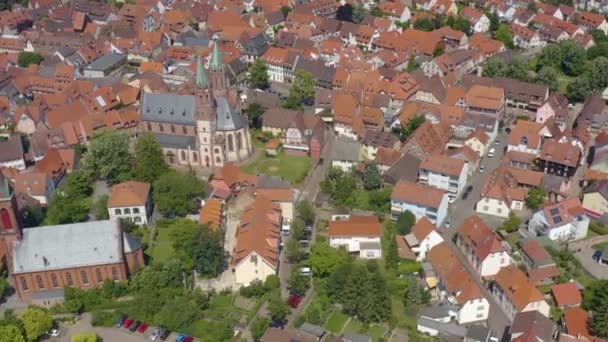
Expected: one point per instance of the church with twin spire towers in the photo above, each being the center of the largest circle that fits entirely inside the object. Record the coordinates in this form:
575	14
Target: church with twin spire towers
205	129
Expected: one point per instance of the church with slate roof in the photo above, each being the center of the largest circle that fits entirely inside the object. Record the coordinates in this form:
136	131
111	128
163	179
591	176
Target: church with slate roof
204	129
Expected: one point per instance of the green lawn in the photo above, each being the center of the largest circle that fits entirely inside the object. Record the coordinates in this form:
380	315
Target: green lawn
600	246
562	83
162	249
291	168
335	322
354	326
221	301
376	332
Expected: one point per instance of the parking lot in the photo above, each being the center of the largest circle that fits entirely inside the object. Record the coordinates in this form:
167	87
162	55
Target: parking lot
107	334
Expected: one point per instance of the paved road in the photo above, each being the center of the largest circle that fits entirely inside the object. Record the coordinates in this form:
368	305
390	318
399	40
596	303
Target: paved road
107	334
458	212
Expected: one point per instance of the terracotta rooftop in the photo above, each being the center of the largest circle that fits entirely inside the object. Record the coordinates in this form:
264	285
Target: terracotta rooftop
355	226
129	194
566	294
517	287
482	240
415	193
211	213
442	164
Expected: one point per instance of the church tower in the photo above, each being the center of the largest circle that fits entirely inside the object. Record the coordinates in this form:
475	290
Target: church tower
219	80
205	115
9	224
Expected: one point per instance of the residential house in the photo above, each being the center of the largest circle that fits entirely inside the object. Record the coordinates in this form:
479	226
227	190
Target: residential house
595	199
81	255
421	200
532	326
556	107
466	154
423	238
345	108
445	173
459	62
131	201
590	21
525	137
256	252
358	234
36	186
599	157
479	21
281	63
385	158
541	268
561	159
522	95
484	100
12	154
525	38
565	220
429	138
482	247
405	168
455	286
594	113
229	179
575	324
501	193
345	154
373	140
301	133
515	293
478	141
396	11
566	295
212	214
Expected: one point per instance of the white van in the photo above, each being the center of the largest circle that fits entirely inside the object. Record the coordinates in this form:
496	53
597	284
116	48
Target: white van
491	152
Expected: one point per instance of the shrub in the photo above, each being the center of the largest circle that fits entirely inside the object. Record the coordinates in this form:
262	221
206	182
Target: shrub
255	289
103	318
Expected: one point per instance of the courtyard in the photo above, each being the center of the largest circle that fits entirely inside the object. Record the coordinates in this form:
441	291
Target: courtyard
289	167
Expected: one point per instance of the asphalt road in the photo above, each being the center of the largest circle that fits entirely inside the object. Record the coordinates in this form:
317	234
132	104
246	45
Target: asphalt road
458	212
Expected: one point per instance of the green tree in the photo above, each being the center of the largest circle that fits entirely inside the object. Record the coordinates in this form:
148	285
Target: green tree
100	208
548	76
598	50
534	198
168	275
11	333
285	10
356	284
494	20
392	253
36	322
297	282
405	221
511	224
461	24
375	303
345	13
575	57
108	156
79	184
32	216
598	302
517	68
551	56
504	35
85	337
371	177
254	113
411	126
494	67
424	24
178	313
26	58
302	91
412	297
294	251
65	209
411	64
278	309
598	73
175	193
306	211
337	280
325	259
258	327
198	247
579	89
272	282
258	74
149	161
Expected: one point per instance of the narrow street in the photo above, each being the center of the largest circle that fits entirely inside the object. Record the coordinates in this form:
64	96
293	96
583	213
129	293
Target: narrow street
458	212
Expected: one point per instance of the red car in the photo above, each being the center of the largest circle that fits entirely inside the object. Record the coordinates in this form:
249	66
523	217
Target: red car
294	300
189	339
127	323
142	328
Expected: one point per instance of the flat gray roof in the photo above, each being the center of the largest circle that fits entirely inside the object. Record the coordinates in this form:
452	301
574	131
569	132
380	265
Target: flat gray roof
68	246
105	62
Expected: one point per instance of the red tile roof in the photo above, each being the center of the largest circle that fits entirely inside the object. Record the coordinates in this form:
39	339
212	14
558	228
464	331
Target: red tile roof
566	294
355	226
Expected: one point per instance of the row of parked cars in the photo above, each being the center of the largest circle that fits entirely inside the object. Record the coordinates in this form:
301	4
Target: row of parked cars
159	333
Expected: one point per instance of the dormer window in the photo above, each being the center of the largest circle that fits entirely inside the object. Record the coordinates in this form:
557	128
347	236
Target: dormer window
524	141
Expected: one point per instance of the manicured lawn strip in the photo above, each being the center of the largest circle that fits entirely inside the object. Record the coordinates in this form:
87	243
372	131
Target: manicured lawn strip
600	246
376	332
562	83
291	168
354	326
335	322
162	249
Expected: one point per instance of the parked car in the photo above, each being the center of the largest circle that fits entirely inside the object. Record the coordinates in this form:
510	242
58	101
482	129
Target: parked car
469	188
127	323
121	319
142	328
447	224
134	326
306	271
184	338
491	152
596	255
53	332
465	195
165	333
155	334
497	141
294	300
482	169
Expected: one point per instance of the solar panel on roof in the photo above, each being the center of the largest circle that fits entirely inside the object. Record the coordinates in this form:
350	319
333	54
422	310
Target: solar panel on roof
554	211
557	219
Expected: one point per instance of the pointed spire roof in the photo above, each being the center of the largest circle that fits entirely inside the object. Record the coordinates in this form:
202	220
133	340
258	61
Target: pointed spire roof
216	59
201	75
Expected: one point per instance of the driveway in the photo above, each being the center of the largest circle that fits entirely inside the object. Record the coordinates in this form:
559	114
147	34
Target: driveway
597	270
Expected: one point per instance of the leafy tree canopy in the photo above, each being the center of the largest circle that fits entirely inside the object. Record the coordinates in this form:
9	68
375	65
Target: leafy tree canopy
258	74
535	197
26	58
149	161
325	259
85	337
504	35
36	322
405	221
108	156
175	193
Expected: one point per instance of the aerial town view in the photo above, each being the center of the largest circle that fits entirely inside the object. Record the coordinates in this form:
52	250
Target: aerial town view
304	170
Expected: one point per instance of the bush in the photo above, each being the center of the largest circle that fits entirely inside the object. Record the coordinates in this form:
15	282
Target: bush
598	228
103	318
255	289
